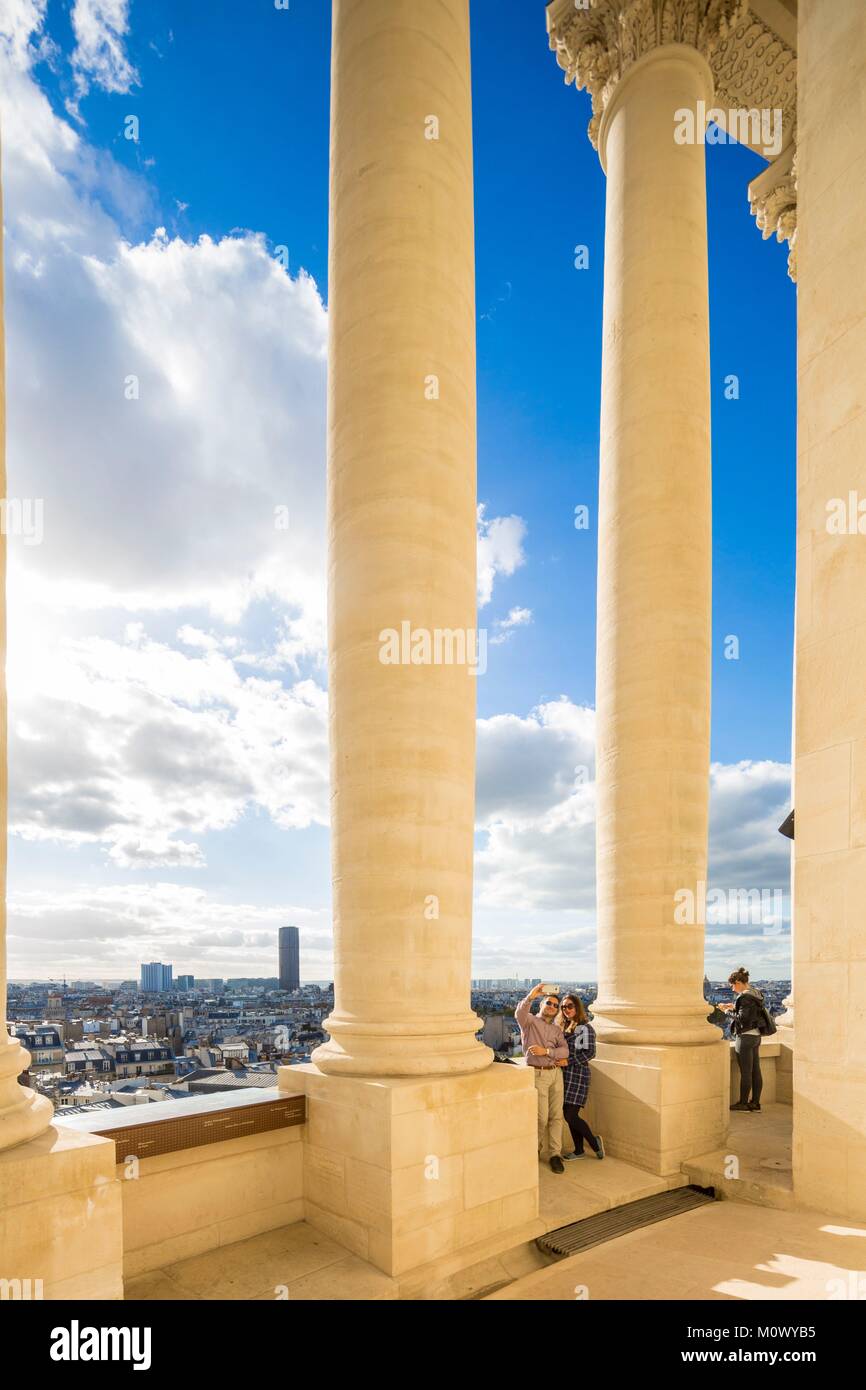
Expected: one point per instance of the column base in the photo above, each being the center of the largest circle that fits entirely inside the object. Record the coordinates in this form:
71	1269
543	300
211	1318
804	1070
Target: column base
405	1171
23	1113
657	1106
433	1047
29	1116
653	1025
61	1223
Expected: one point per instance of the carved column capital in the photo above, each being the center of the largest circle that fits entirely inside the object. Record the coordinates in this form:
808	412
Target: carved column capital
597	41
773	200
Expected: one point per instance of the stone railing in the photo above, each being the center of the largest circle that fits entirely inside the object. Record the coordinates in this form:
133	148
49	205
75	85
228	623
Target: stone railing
200	1173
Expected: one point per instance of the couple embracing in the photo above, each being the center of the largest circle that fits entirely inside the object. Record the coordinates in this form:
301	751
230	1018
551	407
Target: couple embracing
558	1043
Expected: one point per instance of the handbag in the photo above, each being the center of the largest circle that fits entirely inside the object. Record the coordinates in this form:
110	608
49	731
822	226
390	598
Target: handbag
766	1024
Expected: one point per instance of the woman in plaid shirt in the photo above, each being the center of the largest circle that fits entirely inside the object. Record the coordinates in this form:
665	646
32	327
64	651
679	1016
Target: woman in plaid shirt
580	1036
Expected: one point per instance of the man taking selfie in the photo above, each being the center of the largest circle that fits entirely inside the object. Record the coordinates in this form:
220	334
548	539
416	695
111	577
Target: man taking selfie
546	1051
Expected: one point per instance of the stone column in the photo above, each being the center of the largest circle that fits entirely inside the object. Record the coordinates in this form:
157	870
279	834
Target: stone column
402	539
23	1113
829	1149
655	555
416	1147
660	1093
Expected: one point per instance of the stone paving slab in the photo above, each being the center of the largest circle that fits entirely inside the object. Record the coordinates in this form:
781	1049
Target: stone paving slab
727	1250
589	1186
760	1144
296	1260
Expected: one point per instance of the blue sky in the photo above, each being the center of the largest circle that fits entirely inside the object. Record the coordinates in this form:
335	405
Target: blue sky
232	108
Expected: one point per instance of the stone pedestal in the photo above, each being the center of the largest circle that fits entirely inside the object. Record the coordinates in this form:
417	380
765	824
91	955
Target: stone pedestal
405	1171
657	1106
61	1223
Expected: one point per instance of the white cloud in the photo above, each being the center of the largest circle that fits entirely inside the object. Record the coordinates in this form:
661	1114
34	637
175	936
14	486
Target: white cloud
20	22
107	931
227	357
100	28
136	747
505	627
527	767
180	484
500	550
536	859
156	852
164	503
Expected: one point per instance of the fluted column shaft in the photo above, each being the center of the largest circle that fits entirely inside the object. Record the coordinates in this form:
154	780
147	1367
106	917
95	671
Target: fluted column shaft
23	1114
401	536
654	581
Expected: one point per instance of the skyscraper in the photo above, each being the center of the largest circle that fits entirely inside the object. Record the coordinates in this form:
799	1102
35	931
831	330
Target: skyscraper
290	965
155	977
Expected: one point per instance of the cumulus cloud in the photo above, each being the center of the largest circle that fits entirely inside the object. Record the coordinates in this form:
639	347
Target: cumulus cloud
138	746
536	856
526	767
165	399
500	550
106	930
176	430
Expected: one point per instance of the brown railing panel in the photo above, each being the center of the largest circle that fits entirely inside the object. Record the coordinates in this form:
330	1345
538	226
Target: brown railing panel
211	1127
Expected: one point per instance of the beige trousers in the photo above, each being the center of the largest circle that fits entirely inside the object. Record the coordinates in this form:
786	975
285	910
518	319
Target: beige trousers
548	1090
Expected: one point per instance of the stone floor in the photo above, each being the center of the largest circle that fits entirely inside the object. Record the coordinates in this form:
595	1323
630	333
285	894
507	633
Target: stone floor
755	1164
723	1251
727	1250
300	1263
293	1262
588	1186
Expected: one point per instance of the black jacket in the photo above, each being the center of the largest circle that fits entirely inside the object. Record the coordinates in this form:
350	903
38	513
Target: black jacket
749	1013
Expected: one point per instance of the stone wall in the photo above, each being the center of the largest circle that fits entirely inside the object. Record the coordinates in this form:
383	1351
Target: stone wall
830	718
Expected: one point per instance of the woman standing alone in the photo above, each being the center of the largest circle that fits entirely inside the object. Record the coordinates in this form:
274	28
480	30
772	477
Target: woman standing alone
750	1022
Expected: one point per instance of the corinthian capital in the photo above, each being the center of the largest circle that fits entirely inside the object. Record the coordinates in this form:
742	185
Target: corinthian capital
773	200
597	41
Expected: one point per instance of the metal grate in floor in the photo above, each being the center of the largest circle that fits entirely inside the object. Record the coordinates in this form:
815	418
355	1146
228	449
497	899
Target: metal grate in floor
607	1225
